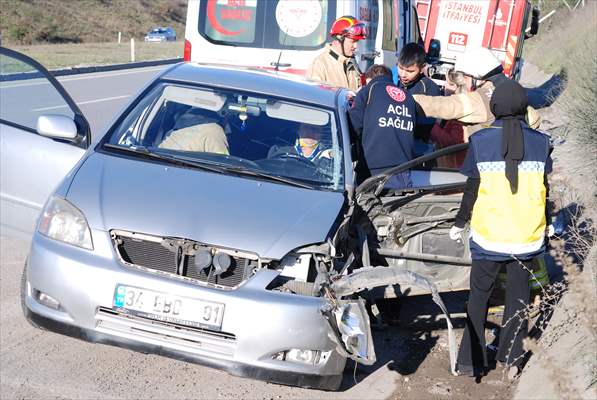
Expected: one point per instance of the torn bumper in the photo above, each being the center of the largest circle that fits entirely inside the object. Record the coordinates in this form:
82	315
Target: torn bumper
257	323
372	277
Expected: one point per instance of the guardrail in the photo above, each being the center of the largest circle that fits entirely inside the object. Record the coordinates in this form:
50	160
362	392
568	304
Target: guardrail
87	70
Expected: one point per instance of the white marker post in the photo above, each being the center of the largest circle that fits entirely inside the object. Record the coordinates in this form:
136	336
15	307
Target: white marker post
119	37
132	50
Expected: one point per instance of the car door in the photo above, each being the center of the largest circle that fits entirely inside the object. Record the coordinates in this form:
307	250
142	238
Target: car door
32	165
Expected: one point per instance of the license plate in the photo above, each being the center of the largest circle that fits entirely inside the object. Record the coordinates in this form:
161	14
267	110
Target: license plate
168	307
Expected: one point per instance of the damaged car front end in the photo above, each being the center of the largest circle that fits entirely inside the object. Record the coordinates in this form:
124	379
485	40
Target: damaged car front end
252	256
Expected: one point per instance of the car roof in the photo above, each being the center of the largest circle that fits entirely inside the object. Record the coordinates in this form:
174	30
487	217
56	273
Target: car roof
259	80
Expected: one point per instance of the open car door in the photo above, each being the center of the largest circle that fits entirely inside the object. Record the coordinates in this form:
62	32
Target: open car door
35	112
400	247
409	228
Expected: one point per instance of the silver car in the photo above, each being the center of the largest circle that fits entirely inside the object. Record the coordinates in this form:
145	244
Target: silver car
197	229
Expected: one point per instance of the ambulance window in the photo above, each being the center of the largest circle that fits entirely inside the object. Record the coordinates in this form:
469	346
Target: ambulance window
389	25
299	24
229	22
275	24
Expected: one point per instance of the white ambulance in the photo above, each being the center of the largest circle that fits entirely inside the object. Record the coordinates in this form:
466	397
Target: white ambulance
288	34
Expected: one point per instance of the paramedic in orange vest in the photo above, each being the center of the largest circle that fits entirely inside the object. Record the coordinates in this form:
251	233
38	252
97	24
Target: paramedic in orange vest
337	66
505	200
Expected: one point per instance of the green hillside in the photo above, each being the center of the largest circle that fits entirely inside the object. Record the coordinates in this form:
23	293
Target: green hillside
85	21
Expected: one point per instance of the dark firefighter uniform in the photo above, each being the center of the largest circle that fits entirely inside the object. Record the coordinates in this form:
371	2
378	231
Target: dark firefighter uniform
384	118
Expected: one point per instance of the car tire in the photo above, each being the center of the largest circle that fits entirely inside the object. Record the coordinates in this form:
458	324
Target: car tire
26	312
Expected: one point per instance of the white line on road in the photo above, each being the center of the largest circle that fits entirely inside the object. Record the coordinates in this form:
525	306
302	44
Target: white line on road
93	75
84	102
90	75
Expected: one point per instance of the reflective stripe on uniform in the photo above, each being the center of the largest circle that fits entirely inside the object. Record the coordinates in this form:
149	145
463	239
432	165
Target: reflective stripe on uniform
506	248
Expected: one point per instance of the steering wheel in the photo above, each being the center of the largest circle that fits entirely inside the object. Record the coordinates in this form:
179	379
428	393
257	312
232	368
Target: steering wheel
292	156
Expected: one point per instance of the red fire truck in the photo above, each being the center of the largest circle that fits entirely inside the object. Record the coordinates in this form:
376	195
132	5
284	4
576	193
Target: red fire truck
448	27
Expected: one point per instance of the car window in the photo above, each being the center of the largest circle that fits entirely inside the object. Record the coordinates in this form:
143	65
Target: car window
241	23
241	130
26	93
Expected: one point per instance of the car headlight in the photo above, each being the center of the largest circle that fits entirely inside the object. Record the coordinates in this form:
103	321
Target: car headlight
62	221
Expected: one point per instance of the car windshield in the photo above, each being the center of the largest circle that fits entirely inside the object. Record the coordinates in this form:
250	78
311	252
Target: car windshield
158	30
239	133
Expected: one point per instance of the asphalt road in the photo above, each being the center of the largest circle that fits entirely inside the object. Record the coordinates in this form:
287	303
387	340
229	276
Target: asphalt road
35	364
102	95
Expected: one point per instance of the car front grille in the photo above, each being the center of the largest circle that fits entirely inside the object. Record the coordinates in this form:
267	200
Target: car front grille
150	253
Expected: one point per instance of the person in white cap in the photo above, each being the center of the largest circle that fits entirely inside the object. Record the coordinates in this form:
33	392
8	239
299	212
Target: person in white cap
483	72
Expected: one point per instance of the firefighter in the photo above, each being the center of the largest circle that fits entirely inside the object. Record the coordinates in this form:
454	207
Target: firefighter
483	73
337	66
384	117
505	201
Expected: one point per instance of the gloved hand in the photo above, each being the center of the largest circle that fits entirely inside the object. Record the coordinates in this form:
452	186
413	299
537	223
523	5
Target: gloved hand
456	233
327	153
550	231
350	95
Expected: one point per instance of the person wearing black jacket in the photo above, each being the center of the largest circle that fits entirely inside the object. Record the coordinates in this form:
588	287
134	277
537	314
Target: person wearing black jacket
410	77
384	118
505	201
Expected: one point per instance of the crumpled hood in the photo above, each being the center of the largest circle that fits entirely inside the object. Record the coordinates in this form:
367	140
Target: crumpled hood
266	218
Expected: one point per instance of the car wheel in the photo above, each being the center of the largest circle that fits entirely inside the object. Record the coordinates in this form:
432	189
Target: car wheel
24	309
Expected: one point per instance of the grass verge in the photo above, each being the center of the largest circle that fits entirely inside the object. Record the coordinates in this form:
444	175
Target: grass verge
56	56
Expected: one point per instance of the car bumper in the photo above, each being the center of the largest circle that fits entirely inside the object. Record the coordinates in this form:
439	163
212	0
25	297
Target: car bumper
257	323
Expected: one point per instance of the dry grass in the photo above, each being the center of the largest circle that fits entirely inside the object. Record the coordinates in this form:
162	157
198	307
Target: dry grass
571	43
86	21
55	56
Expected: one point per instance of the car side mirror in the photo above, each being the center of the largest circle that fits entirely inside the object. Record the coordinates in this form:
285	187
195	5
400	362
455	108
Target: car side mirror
434	52
56	126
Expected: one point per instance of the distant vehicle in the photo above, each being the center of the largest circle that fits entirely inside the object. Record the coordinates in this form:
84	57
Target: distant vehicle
249	257
161	34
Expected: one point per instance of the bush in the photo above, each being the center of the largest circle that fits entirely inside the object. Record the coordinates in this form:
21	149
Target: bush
580	101
571	43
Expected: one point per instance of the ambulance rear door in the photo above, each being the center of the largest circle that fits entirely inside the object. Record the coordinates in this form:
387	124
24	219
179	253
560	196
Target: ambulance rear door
283	34
398	26
368	49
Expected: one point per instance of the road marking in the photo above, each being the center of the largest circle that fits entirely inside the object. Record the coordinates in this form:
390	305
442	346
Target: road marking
21	202
94	75
84	102
90	75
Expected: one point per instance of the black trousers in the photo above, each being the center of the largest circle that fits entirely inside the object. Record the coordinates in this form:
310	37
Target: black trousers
472	351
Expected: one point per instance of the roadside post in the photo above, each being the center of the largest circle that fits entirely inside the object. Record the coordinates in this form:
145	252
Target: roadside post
119	37
132	50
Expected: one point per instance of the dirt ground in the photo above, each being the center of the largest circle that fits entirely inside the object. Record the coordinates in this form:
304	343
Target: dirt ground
424	367
430	377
